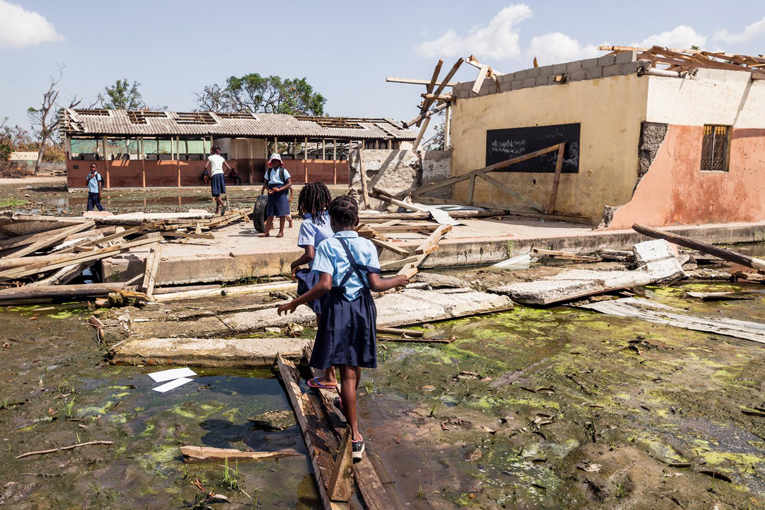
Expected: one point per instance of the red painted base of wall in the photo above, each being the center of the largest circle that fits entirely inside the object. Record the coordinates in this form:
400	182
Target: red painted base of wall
155	174
676	192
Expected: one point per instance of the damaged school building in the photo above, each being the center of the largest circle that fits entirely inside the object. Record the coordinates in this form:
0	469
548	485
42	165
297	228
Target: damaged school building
158	148
678	145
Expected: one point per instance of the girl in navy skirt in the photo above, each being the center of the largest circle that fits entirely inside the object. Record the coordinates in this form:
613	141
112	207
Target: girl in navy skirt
277	182
313	205
348	271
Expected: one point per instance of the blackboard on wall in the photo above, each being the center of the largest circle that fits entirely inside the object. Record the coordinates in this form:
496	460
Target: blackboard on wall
504	144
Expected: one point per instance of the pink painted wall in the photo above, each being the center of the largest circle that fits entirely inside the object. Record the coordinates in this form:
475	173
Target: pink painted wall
676	192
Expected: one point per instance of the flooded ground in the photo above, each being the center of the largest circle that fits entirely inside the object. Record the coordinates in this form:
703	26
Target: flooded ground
532	408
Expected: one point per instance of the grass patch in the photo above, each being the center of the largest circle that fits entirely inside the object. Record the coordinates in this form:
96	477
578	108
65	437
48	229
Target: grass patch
11	202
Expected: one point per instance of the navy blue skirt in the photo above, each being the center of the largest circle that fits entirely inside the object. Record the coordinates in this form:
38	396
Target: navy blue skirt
278	203
218	184
306	281
347	332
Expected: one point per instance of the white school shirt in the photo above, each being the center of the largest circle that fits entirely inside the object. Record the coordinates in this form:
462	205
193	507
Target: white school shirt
272	176
331	258
216	164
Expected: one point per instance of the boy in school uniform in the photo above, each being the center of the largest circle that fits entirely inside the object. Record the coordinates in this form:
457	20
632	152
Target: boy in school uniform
313	205
95	184
349	271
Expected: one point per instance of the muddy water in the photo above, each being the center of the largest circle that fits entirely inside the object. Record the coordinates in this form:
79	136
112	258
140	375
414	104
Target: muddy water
532	408
57	392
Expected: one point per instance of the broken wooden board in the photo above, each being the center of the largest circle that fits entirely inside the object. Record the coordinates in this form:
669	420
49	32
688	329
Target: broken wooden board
724	296
240	290
151	269
192	454
52	293
53	237
431	243
367	480
318	439
650	311
657	261
207	352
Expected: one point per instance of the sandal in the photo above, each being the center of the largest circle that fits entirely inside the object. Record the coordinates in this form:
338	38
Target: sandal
316	383
338	402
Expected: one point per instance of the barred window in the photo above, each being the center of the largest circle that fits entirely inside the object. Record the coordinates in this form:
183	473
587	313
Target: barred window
714	148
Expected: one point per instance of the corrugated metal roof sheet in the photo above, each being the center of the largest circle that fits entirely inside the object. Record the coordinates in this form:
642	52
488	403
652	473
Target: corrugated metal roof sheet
124	123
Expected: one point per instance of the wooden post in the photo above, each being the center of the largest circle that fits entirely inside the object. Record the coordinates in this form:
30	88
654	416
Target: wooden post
471	189
142	156
556	180
390	144
324	149
421	133
363	176
305	161
377	144
106	163
334	160
276	144
448	128
177	158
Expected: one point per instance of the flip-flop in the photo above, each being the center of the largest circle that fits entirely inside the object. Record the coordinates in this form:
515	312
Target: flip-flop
315	383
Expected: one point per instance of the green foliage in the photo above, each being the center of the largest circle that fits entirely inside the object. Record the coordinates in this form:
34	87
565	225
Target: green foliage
253	93
122	96
5	151
437	141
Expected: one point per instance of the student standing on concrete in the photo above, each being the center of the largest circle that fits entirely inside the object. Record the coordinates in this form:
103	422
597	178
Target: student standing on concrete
216	162
277	182
313	205
95	184
348	271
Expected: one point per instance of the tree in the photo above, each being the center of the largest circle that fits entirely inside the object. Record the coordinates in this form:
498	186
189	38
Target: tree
122	96
45	119
437	141
253	93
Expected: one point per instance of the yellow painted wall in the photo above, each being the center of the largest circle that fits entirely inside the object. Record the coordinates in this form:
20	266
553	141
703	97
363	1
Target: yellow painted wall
610	111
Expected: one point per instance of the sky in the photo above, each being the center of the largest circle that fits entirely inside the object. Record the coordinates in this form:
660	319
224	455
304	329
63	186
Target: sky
345	49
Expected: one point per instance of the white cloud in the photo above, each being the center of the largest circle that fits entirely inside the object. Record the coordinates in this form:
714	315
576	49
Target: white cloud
497	40
556	47
750	32
680	37
20	28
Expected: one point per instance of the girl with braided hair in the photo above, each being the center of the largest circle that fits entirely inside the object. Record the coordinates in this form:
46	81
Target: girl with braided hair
313	205
348	271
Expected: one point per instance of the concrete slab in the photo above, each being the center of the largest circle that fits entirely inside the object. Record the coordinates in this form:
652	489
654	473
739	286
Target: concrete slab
658	264
208	352
410	306
237	252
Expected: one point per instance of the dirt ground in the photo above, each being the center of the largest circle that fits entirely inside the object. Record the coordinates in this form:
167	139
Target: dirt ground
49	195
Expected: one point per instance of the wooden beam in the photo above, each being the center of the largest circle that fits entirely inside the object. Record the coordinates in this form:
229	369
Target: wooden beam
363	176
192	454
426	102
448	128
730	256
35	267
391	263
496	183
340	484
418	140
392	79
479	80
390	247
449	76
431	243
556	180
53	238
151	269
412	268
316	438
430	113
434	97
471	189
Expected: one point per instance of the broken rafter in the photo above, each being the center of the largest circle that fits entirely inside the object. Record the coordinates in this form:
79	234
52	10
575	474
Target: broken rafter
391	79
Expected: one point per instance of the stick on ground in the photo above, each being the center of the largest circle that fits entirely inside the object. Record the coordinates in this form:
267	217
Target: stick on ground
71	447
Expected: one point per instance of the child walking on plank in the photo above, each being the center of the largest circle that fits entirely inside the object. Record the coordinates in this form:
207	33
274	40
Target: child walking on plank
313	205
348	271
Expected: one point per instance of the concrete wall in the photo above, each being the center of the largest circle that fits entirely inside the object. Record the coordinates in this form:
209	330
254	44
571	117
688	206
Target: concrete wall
610	112
675	191
399	172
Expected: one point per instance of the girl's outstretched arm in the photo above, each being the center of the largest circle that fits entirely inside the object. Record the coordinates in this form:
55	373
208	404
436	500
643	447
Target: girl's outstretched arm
305	258
322	287
379	284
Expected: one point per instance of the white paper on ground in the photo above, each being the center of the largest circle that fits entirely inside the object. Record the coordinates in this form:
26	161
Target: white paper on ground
172	384
173	373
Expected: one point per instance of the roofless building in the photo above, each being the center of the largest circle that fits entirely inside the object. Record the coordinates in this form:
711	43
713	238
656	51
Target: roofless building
161	148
